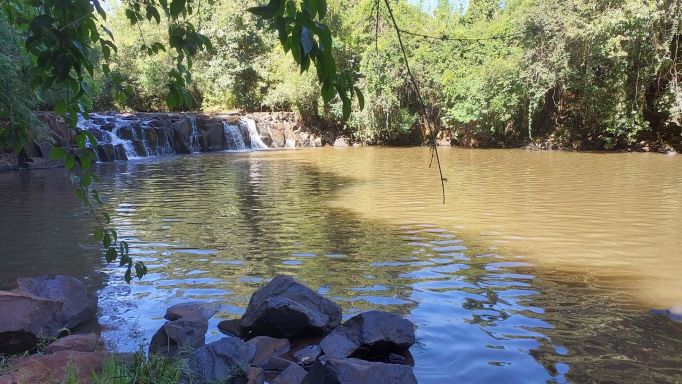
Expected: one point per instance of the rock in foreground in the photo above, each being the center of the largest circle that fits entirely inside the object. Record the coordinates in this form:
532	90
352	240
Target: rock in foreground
372	335
24	318
286	308
78	306
226	360
356	371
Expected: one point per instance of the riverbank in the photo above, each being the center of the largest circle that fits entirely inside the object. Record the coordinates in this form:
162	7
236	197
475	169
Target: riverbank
124	136
288	334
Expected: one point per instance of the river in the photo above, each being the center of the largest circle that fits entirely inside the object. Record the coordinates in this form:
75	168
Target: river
539	266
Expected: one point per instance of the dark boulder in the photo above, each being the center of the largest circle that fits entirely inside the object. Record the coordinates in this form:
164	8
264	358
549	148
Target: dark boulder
192	310
286	308
106	152
78	305
58	367
120	152
182	335
24	318
356	371
82	343
371	335
231	327
226	361
307	355
266	347
294	374
181	133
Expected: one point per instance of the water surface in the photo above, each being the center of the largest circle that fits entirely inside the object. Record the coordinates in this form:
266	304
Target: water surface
540	266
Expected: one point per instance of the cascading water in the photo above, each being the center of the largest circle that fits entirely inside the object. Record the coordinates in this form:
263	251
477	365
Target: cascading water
194	136
125	136
254	136
233	138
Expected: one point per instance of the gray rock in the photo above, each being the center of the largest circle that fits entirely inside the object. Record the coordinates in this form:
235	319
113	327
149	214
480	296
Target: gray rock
266	347
286	308
82	343
182	335
276	364
226	360
294	374
356	371
231	327
371	335
78	306
307	355
192	310
255	376
24	318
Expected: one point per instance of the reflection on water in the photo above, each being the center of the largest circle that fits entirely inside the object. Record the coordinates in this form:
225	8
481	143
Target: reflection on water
505	282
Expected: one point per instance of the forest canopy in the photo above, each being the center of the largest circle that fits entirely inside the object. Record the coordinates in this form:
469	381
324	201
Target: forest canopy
602	73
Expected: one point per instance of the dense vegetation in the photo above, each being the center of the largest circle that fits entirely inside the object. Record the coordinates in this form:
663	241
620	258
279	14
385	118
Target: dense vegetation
600	73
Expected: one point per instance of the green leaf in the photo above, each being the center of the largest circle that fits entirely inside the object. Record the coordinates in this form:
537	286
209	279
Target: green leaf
69	161
176	8
57	153
346	108
111	254
322	8
311	7
99	233
107	218
106	241
268	11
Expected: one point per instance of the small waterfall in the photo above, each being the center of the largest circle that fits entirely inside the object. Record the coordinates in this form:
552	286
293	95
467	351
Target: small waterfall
115	139
165	148
233	138
194	136
256	142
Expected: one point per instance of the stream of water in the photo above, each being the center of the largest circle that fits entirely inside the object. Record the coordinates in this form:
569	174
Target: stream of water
540	266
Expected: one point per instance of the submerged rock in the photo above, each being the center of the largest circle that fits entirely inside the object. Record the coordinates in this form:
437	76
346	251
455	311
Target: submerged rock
226	360
78	306
370	335
24	318
286	308
356	371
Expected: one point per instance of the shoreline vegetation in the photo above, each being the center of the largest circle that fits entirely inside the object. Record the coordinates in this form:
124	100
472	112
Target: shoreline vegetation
274	129
541	74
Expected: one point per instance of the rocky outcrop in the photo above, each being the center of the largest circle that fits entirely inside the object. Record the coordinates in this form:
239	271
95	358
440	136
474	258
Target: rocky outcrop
226	360
81	343
55	367
372	335
24	318
78	305
355	371
39	307
181	335
286	308
192	310
266	347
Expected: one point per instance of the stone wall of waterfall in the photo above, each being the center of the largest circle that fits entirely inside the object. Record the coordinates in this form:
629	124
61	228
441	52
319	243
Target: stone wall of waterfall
123	137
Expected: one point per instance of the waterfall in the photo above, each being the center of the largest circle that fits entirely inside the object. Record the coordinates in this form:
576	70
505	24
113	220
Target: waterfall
115	139
233	138
254	136
194	136
134	136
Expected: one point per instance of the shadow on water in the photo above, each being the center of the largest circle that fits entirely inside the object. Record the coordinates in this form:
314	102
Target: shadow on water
215	227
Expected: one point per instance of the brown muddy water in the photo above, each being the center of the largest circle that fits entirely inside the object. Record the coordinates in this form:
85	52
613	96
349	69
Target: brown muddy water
540	266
